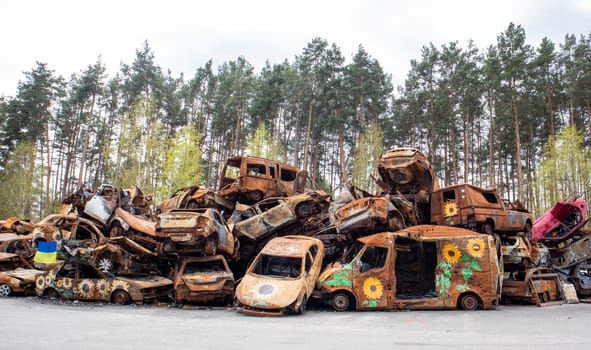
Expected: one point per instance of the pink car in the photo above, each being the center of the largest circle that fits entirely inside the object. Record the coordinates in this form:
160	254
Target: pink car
560	222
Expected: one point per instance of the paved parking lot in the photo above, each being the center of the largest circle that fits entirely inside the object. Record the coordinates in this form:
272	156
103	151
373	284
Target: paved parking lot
29	322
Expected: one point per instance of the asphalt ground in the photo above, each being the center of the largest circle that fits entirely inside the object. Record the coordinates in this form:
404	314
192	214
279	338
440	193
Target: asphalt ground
33	323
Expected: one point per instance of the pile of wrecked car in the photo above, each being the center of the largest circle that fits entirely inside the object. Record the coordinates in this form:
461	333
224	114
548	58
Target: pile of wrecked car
267	244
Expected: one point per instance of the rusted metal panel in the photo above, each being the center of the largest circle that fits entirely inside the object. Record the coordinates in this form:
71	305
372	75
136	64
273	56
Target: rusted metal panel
282	277
539	285
369	213
418	267
204	279
407	171
476	208
251	179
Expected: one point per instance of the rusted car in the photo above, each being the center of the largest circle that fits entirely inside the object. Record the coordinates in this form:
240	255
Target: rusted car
563	220
406	171
281	278
18	281
419	267
16	225
194	197
369	214
15	251
251	179
204	279
478	209
572	251
538	285
195	231
256	224
60	227
75	280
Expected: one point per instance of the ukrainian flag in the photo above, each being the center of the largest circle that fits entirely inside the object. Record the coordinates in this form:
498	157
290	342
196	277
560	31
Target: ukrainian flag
46	252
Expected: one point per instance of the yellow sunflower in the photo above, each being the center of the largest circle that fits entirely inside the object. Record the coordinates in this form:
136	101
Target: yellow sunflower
67	283
119	284
86	289
48	280
59	284
451	253
40	282
450	209
103	287
475	247
373	288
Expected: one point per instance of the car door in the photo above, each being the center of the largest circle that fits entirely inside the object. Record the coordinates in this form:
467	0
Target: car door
372	277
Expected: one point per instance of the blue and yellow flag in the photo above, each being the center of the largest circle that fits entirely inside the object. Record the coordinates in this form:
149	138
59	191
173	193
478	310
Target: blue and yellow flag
46	252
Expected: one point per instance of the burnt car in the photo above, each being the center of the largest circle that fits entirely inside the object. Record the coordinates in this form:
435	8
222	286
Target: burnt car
563	220
406	171
369	214
204	279
75	280
251	179
202	230
193	197
538	285
281	278
571	251
60	227
15	251
476	208
256	224
18	281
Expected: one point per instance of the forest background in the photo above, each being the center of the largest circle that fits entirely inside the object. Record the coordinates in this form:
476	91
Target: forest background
510	116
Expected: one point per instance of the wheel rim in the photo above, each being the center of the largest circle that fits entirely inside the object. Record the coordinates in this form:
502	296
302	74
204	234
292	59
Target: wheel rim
340	302
121	297
469	302
5	290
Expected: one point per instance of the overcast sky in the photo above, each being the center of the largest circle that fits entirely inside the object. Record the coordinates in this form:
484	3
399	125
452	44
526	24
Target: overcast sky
184	35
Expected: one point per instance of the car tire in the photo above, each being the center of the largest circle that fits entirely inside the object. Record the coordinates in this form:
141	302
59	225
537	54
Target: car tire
5	290
116	230
302	309
487	228
121	297
303	209
51	293
468	302
341	301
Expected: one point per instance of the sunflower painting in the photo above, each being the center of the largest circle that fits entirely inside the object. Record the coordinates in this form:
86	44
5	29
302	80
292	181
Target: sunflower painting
475	247
103	287
373	290
86	289
450	209
451	253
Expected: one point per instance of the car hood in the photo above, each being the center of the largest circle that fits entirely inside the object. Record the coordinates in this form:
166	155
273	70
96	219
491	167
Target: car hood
146	281
27	275
272	293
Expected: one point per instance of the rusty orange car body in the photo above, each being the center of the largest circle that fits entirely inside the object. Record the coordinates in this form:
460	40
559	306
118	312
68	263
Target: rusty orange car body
419	267
476	208
281	278
204	279
193	197
251	179
368	214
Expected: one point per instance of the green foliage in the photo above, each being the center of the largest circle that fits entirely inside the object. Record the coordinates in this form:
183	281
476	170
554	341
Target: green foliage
18	183
182	166
367	157
261	145
565	169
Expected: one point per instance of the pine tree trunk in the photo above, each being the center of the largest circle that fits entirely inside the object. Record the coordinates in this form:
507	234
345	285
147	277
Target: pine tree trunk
517	144
308	131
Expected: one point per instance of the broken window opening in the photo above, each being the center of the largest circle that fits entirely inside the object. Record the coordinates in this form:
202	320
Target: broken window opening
288	175
278	266
204	267
490	197
415	269
449	196
255	169
373	258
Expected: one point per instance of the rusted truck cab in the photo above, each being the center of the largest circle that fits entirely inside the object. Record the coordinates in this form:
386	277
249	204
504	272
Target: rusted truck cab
251	179
419	267
478	209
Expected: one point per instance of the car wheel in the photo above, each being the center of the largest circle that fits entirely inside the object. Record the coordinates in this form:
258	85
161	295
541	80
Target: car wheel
341	301
468	302
5	290
116	230
51	293
255	196
121	297
487	228
303	306
304	209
